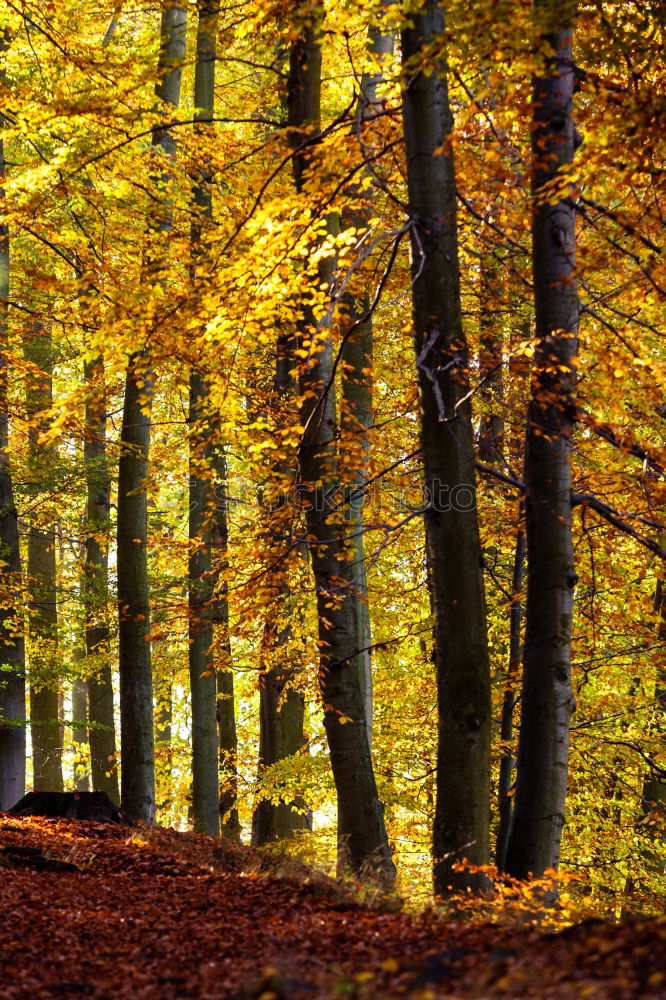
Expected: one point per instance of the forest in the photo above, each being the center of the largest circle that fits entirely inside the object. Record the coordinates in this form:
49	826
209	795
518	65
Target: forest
333	437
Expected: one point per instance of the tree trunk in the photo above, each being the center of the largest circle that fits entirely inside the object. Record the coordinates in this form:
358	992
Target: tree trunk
226	714
205	790
507	760
547	700
203	687
491	424
360	812
214	778
42	608
136	694
461	647
136	691
101	723
356	382
281	704
80	731
12	651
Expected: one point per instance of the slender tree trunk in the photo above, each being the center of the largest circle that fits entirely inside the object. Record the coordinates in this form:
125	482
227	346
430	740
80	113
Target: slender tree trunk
214	779
12	652
507	760
42	609
461	647
112	26
356	382
136	692
203	684
205	789
80	729
282	712
547	700
101	723
281	704
491	425
226	714
360	812
163	696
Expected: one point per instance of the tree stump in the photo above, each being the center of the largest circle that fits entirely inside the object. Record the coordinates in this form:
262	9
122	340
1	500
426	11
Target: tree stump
95	806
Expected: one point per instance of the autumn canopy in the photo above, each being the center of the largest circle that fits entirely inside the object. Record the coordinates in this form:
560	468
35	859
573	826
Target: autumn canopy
332	432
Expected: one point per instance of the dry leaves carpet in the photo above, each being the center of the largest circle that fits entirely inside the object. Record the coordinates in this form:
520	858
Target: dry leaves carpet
103	912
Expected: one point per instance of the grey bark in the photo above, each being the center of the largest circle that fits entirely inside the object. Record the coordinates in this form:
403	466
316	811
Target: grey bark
80	727
137	759
214	779
162	695
547	700
491	425
356	381
102	733
203	687
507	760
226	713
452	533
42	606
281	704
12	651
112	26
205	790
136	694
360	812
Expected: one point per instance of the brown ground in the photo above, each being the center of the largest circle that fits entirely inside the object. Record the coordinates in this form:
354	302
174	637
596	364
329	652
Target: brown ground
152	921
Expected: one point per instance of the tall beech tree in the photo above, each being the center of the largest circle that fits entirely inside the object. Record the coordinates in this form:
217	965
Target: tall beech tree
203	688
281	702
12	649
95	588
360	811
452	531
226	705
547	699
136	686
357	353
43	606
214	779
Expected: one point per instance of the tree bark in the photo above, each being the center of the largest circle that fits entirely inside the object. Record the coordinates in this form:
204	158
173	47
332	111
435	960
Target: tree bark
12	650
491	424
507	760
101	722
42	608
281	704
214	779
360	812
356	381
461	647
205	790
136	693
547	699
226	713
80	729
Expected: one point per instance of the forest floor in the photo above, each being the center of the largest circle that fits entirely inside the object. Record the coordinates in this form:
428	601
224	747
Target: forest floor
109	913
